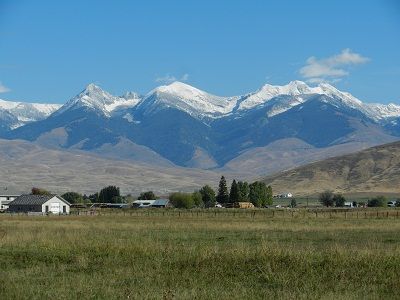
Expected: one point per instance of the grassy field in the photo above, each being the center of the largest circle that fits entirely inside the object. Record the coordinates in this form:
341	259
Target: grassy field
199	257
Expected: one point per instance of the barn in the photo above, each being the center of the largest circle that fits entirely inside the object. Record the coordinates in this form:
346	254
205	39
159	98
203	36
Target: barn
40	204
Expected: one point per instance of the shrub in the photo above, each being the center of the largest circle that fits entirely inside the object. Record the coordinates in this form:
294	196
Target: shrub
339	200
208	196
73	197
39	191
379	201
326	198
149	195
293	203
181	200
197	199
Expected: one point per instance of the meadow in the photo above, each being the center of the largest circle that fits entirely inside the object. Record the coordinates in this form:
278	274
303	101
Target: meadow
199	256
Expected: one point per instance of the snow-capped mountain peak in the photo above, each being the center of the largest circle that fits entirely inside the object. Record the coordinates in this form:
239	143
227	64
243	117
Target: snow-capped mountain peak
95	98
268	92
189	99
28	112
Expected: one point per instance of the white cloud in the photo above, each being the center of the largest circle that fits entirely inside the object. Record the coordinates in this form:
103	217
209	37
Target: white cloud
3	88
168	78
331	69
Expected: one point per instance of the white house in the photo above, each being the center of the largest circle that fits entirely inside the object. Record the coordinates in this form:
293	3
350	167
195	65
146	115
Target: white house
6	196
40	204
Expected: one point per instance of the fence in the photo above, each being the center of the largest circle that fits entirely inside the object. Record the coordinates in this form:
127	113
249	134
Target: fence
364	213
248	213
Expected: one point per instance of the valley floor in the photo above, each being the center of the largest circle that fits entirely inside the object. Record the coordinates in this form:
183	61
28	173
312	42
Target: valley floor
199	256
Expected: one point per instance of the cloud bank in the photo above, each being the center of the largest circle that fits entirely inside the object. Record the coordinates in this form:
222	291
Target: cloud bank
3	88
331	69
170	78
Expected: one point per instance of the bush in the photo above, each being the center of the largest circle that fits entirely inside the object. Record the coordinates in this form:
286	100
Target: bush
73	197
326	198
208	196
379	201
147	196
339	200
182	200
293	203
197	199
39	191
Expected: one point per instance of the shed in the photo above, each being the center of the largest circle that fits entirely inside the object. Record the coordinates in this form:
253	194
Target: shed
40	203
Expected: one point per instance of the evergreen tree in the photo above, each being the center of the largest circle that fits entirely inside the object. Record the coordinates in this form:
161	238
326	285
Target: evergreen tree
109	194
223	196
243	187
208	196
234	192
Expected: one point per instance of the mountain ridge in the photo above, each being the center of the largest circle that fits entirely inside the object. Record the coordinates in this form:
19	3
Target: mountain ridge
190	127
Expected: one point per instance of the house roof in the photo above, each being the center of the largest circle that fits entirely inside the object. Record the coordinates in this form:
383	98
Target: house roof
160	202
34	199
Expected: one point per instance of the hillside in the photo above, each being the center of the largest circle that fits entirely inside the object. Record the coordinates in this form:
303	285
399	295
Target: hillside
374	170
24	165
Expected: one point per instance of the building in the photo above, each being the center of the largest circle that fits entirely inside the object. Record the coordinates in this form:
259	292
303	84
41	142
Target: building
40	204
7	195
161	203
349	204
142	203
151	203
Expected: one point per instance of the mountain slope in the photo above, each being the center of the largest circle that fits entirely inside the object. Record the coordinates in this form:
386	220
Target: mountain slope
25	164
374	170
189	127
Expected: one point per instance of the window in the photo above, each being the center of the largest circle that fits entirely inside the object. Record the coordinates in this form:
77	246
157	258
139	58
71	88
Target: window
64	209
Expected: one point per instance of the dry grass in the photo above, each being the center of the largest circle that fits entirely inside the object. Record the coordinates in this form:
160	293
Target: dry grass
204	257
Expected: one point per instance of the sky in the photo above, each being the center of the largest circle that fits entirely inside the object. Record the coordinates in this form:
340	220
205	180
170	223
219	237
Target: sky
50	50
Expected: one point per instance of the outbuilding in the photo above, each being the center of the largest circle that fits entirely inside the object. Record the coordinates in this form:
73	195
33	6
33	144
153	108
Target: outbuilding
40	204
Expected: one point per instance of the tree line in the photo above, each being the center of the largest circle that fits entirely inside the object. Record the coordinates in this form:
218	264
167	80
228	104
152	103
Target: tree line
257	193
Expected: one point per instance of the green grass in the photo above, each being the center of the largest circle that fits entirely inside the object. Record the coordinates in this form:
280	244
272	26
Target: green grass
199	257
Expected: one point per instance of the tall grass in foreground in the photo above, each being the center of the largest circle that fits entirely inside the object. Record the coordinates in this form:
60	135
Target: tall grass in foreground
156	257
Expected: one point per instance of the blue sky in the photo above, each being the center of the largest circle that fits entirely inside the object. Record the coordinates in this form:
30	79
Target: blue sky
49	50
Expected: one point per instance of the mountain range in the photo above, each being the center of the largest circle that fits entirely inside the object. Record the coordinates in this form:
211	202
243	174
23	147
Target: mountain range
269	130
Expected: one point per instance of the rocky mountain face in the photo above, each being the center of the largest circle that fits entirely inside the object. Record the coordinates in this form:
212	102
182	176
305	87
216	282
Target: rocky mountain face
182	125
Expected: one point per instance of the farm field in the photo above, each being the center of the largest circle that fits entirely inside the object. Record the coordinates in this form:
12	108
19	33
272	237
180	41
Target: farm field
200	256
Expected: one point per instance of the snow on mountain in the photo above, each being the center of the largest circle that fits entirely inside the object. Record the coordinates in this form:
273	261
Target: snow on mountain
95	98
28	112
268	92
189	99
383	111
298	89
